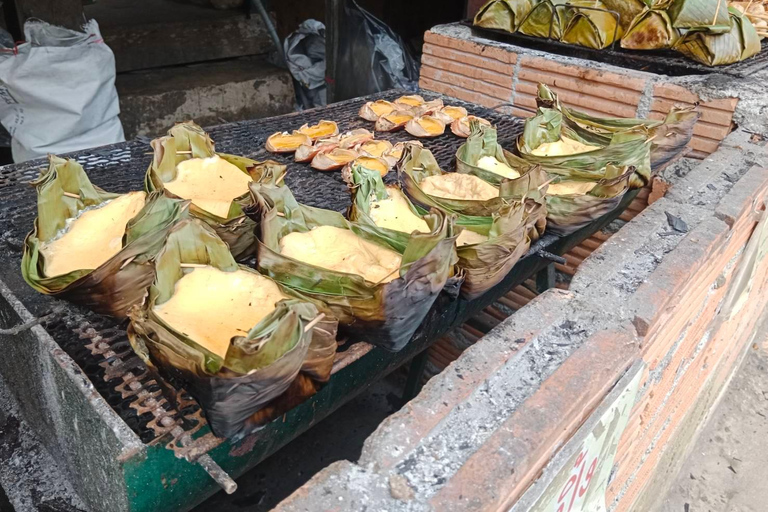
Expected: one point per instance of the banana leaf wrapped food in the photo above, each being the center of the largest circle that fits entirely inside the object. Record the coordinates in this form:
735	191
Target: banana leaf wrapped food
627	10
708	15
739	43
379	291
496	228
92	247
668	136
483	156
651	30
387	211
384	209
503	14
588	23
545	19
575	203
756	11
564	150
246	347
186	165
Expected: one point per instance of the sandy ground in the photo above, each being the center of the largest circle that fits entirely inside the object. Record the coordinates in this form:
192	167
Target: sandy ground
727	468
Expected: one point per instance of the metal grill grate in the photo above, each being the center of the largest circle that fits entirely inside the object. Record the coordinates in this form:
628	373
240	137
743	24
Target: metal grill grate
99	344
661	62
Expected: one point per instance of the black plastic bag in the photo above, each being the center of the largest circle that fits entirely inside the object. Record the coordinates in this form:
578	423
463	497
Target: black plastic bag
371	56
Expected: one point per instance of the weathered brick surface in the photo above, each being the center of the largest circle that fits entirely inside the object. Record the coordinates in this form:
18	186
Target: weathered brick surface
508	462
661	106
703	359
502	94
717	115
400	433
655	294
466	70
496	51
450	55
458	92
744	197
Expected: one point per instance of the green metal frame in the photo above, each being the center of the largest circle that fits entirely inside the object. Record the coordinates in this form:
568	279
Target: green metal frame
158	480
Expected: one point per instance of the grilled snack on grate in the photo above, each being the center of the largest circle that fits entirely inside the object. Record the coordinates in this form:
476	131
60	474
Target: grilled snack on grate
239	342
375	288
393	121
573	204
498	222
563	149
373	110
740	42
651	30
383	208
668	137
425	127
320	130
186	166
92	247
594	161
333	160
461	126
284	142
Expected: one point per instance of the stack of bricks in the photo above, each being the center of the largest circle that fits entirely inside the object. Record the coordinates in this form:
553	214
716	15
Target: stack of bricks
658	294
459	64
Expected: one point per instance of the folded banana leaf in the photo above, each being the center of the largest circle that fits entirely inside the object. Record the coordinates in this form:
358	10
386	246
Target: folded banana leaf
385	314
650	30
589	24
502	226
629	148
627	10
709	15
503	14
528	187
569	212
740	43
186	141
367	187
275	365
668	137
544	20
63	192
483	143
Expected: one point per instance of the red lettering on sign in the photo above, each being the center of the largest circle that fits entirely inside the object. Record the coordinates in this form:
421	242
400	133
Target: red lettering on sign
577	485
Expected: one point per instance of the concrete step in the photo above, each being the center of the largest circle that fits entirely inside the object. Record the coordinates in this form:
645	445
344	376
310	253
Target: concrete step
157	33
152	101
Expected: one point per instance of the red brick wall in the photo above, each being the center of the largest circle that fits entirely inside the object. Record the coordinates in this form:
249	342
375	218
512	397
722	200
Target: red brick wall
490	74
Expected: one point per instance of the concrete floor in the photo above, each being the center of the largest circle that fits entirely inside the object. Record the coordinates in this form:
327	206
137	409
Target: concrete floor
726	469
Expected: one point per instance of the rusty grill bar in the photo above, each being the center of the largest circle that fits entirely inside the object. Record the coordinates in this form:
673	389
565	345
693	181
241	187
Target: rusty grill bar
99	344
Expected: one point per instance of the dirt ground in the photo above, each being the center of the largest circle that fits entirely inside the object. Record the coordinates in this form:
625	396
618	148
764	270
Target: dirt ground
727	468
